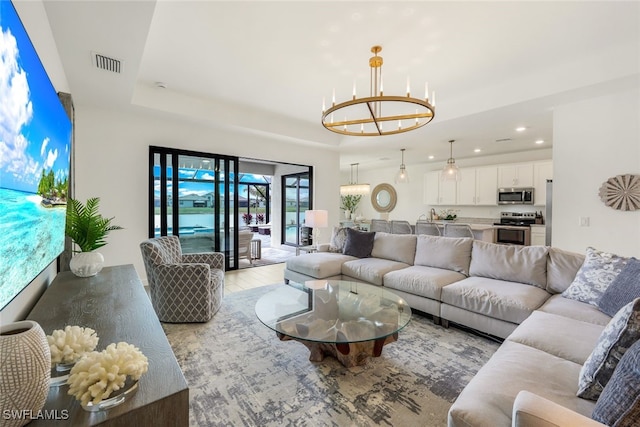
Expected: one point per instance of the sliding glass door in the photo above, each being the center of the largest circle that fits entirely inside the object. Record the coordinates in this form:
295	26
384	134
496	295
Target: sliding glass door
296	201
193	196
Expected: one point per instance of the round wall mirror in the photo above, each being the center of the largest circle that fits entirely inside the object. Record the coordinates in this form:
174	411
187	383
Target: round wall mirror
383	198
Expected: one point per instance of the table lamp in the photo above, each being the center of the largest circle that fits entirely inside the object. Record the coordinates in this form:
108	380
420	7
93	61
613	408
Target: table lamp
316	219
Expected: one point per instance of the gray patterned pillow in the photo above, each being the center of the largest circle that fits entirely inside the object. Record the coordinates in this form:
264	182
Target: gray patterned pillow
338	239
624	288
594	277
619	403
620	334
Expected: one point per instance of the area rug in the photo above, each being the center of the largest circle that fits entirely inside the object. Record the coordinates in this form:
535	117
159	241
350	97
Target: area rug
269	256
240	374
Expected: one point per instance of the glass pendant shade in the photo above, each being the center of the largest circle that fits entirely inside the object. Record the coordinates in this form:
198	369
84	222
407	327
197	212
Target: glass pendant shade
402	176
450	171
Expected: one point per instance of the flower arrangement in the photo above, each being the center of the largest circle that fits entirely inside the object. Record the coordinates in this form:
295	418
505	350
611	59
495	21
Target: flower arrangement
98	374
247	217
449	214
260	218
350	202
72	343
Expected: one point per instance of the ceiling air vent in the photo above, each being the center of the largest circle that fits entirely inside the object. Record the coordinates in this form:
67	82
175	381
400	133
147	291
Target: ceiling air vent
503	140
105	63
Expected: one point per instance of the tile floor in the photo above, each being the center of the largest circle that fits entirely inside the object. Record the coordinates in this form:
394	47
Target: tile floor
249	278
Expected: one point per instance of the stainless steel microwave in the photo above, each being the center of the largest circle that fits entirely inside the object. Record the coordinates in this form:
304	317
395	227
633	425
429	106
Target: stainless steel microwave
515	196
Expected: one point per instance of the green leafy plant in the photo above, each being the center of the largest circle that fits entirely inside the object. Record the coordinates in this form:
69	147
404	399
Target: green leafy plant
350	202
85	226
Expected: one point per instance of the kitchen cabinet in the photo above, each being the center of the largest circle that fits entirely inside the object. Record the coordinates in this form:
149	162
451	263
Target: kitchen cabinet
542	171
477	186
437	191
538	235
515	175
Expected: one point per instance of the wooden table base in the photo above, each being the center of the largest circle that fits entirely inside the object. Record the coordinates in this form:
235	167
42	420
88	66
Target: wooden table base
349	354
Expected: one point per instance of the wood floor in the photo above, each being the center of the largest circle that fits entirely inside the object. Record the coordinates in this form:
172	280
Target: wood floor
249	278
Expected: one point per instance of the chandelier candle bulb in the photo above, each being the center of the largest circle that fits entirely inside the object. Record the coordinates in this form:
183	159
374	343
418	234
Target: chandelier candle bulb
354	90
426	92
333	99
433	98
408	88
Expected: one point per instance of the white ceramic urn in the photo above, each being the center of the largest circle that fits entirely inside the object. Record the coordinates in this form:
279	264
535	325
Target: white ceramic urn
24	373
86	264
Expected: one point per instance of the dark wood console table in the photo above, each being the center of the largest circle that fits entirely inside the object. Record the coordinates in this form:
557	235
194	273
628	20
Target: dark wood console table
115	304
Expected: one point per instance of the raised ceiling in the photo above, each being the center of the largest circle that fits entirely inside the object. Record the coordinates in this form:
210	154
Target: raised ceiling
264	67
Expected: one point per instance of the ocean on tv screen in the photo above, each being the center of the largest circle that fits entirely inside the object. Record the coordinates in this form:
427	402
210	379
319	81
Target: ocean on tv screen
35	146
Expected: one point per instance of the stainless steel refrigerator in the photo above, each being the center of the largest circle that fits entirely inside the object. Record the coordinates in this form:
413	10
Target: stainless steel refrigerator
548	212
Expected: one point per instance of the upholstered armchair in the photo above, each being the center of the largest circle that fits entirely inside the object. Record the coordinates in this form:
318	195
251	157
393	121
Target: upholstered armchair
184	288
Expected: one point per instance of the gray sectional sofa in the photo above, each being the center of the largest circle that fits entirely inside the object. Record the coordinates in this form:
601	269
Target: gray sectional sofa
510	292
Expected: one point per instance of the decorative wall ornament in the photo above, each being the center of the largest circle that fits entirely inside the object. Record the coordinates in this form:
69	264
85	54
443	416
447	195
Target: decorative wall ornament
621	192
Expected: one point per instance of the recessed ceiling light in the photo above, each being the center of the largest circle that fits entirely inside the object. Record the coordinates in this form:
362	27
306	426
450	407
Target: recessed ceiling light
540	141
431	157
477	150
521	129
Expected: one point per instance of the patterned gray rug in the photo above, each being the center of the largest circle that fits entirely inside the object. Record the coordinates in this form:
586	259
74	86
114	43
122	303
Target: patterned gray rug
240	374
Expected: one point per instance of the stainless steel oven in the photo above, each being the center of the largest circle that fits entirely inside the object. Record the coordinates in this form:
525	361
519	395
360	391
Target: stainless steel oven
513	235
514	228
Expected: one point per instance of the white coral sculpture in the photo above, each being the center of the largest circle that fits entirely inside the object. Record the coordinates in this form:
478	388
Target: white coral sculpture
98	374
72	343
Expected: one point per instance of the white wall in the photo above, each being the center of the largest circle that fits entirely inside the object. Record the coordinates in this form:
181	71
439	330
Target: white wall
112	163
593	141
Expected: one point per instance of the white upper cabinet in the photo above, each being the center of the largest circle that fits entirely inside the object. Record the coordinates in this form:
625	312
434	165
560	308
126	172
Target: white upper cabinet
516	175
542	172
437	191
477	186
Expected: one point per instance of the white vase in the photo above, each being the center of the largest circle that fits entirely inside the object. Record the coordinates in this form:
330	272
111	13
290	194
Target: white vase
347	214
86	264
24	372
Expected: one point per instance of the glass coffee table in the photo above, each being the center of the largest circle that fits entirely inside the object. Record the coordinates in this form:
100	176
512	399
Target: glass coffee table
349	320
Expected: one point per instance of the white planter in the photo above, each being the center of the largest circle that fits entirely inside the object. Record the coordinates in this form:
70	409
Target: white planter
86	264
347	214
24	372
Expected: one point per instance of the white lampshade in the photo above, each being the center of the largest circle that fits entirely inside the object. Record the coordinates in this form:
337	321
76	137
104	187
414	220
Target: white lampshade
316	218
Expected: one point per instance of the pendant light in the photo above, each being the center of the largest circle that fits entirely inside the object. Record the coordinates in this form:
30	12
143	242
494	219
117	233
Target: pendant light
450	171
353	188
402	177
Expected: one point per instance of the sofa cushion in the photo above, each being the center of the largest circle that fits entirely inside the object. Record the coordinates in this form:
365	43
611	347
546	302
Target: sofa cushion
522	264
370	270
573	309
619	403
624	289
359	243
396	247
318	265
451	253
488	398
338	239
509	301
595	275
558	335
562	267
620	334
420	280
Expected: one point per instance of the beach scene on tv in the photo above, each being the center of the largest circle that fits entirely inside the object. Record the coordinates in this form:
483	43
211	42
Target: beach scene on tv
35	139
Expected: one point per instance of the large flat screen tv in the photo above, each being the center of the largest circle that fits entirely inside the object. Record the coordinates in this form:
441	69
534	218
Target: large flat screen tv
35	144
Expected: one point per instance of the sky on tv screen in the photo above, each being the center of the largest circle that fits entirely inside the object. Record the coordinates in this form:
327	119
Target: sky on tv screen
35	141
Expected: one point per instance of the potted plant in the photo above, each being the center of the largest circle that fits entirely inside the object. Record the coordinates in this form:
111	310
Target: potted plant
349	204
88	230
247	217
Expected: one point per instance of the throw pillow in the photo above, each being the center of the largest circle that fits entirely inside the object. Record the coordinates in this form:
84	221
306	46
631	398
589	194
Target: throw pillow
596	274
620	334
338	239
359	243
619	403
624	288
